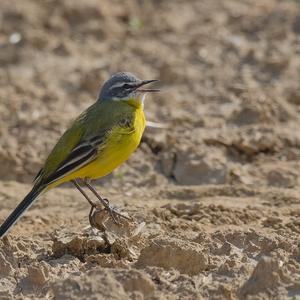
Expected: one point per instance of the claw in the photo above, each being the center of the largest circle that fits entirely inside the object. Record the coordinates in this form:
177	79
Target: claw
91	215
114	214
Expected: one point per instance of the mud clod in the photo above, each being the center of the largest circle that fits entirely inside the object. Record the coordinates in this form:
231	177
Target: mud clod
265	278
188	258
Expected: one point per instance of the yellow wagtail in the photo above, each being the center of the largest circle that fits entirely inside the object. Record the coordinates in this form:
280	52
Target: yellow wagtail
100	139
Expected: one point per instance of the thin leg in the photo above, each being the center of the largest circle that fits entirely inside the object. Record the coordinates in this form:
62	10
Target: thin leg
83	193
91	215
113	213
93	205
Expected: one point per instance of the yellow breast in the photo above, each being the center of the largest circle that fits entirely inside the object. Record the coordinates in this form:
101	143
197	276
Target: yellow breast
120	144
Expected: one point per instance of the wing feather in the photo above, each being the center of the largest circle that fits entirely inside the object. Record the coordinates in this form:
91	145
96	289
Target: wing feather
77	147
85	152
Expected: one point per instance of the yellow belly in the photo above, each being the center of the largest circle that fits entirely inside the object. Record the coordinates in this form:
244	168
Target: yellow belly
118	148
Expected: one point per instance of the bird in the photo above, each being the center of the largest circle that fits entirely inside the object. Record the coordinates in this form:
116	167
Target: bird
100	139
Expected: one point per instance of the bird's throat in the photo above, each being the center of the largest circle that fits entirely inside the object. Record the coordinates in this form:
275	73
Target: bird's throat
135	102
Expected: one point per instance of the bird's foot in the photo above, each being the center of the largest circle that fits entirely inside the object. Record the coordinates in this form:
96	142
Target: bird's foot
113	212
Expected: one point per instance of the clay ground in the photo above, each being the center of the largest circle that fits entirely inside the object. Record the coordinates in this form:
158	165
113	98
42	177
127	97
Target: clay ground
214	197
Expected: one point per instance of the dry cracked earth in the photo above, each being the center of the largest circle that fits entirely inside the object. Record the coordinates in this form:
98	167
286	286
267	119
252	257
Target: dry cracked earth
214	197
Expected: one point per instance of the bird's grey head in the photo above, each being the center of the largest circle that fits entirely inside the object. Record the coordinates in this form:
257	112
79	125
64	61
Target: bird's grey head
124	86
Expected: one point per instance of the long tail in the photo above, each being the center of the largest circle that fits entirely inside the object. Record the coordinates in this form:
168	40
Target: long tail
20	209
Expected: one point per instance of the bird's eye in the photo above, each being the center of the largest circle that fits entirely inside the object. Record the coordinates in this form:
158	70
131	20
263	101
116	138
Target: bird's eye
127	86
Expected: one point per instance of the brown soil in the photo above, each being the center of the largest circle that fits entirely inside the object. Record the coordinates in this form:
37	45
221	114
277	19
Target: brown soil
214	197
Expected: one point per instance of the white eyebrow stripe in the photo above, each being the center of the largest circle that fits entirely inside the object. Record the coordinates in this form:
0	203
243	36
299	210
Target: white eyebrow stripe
118	84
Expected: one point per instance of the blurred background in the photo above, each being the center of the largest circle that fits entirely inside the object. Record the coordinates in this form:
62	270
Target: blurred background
230	72
226	168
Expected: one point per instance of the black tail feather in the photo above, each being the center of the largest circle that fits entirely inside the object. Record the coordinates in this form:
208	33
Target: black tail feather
19	210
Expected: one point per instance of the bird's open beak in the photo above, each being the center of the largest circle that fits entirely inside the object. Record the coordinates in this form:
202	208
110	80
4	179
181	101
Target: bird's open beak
144	82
